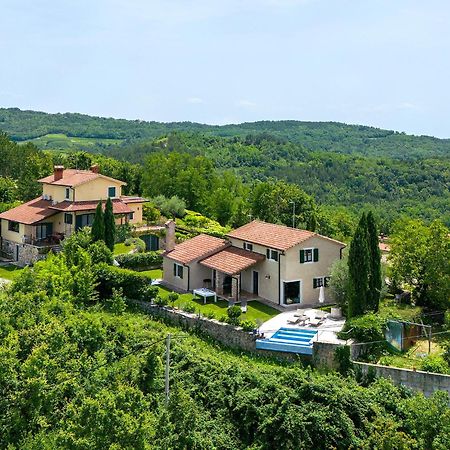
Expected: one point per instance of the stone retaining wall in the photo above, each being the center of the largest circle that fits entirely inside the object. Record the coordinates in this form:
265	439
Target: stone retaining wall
417	380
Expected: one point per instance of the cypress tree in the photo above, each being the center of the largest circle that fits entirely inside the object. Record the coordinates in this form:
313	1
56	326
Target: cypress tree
373	295
98	225
358	266
110	225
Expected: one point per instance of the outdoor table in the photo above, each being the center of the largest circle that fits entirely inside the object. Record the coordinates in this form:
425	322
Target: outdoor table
205	293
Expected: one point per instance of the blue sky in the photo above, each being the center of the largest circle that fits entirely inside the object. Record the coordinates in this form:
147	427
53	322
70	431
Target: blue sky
373	62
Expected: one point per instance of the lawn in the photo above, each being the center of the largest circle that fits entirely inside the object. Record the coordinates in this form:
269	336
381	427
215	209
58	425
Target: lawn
122	248
256	311
154	274
10	272
392	309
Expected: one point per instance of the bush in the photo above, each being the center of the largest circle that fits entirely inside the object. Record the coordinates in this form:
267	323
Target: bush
133	284
189	308
367	328
435	363
210	315
170	207
139	260
161	301
172	298
248	325
100	253
234	314
150	213
342	357
124	232
117	301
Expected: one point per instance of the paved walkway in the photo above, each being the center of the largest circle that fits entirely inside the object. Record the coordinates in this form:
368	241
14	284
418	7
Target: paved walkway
326	331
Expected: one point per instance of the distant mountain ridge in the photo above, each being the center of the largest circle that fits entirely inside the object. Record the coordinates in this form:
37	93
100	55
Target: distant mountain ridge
337	137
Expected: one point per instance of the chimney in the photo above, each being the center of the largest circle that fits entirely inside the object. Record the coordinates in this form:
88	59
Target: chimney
170	235
95	168
58	172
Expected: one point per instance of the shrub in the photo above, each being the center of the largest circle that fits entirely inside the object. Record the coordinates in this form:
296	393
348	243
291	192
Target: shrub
139	260
161	301
189	308
170	207
133	284
248	325
223	318
234	314
342	357
117	301
150	213
100	253
367	328
172	297
124	232
435	363
210	315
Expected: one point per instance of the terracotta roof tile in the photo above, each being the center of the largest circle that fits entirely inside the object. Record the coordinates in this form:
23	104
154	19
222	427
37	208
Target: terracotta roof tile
199	246
232	260
271	235
30	212
75	177
131	199
119	207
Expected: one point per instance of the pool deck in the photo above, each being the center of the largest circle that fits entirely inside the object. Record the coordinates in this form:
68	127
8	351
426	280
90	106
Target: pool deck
326	331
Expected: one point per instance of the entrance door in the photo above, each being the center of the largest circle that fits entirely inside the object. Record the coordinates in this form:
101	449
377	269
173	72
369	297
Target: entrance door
255	282
292	292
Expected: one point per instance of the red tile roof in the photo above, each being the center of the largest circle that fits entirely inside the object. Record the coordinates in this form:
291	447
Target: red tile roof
75	177
30	212
199	246
130	199
119	207
279	237
232	260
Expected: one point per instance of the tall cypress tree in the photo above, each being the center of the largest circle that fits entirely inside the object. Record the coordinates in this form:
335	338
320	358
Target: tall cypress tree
110	225
373	295
98	225
358	266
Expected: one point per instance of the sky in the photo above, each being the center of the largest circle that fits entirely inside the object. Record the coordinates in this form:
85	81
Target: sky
383	63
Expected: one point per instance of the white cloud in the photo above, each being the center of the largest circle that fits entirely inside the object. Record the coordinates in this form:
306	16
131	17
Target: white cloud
244	103
195	100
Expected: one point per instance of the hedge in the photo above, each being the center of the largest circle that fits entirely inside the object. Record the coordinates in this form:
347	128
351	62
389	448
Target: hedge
140	260
133	284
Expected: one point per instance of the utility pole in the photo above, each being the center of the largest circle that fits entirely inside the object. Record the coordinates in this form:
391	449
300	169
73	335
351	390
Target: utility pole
167	368
293	214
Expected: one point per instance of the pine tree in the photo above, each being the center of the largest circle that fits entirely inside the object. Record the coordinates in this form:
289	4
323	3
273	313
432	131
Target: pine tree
98	225
110	225
358	265
373	295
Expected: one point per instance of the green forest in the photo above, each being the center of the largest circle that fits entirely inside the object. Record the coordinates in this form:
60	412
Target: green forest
343	168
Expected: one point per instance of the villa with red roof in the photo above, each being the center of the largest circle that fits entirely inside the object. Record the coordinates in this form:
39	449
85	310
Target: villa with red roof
280	264
68	202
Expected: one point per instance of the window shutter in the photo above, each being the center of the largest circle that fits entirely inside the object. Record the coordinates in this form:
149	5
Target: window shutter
314	283
268	254
181	271
302	256
316	254
174	270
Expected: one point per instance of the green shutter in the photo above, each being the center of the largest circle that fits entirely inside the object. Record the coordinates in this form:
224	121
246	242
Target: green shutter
174	270
316	254
302	256
314	283
181	272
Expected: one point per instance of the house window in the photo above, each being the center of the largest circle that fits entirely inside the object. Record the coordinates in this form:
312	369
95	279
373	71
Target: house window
131	216
248	246
67	193
319	282
84	220
177	270
43	230
112	191
272	254
68	218
13	226
309	255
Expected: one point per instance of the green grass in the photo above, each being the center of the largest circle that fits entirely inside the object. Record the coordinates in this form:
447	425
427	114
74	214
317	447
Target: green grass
122	248
255	310
153	274
62	141
10	272
390	308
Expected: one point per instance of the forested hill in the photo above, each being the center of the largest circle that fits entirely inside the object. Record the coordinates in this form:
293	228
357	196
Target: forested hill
97	133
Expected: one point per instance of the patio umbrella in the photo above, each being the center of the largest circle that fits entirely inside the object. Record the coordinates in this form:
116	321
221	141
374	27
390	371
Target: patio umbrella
321	294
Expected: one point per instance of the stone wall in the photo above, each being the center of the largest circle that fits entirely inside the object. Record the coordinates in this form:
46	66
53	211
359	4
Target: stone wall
425	382
228	335
27	255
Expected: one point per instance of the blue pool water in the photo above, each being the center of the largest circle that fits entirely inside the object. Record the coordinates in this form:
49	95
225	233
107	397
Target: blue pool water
292	340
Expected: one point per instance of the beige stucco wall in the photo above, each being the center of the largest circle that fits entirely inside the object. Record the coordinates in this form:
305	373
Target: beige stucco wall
137	208
57	193
11	235
329	252
180	283
96	189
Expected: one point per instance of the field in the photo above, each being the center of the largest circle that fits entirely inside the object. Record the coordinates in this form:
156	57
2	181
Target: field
9	272
61	141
